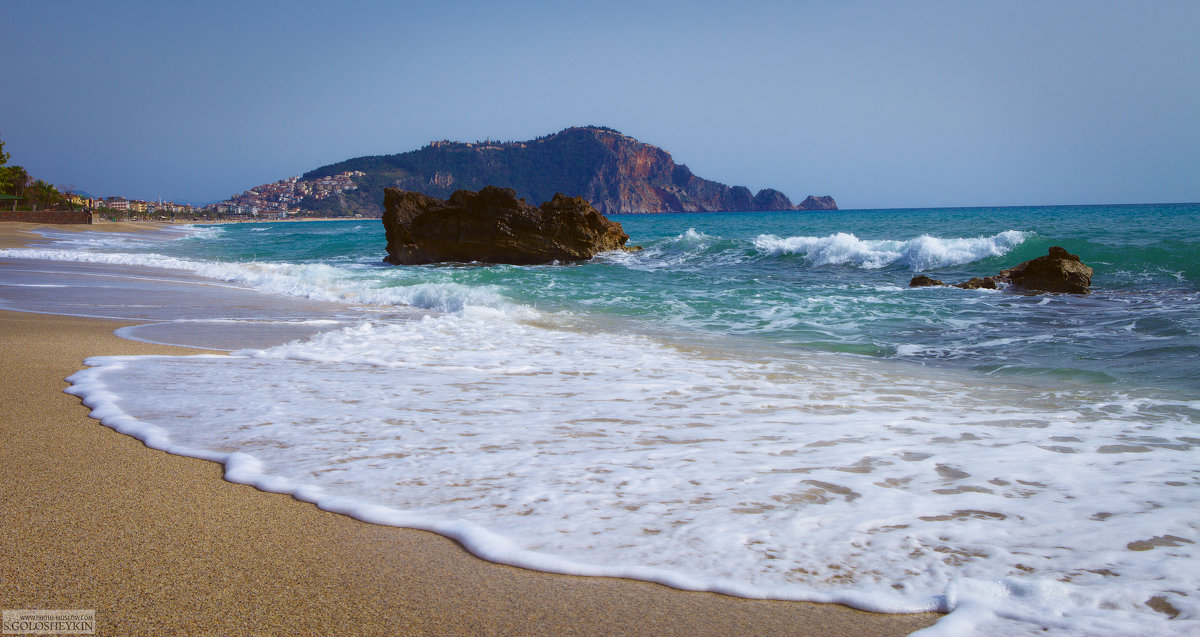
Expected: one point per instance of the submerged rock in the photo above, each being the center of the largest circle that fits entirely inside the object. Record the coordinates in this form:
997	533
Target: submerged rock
1059	271
986	283
494	226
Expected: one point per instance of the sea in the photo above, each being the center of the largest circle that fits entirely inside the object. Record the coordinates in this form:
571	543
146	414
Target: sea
755	404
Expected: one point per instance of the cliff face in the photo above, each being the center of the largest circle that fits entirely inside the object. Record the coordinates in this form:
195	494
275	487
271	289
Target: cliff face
614	172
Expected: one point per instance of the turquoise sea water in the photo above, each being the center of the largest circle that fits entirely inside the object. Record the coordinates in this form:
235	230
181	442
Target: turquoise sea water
837	281
754	403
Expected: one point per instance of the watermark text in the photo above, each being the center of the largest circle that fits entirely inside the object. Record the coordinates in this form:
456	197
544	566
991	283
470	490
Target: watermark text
49	622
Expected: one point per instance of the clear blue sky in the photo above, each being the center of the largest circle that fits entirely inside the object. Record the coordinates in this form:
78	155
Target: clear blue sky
880	104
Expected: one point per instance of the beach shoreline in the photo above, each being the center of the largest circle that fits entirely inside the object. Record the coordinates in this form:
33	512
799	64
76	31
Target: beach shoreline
21	234
161	543
215	222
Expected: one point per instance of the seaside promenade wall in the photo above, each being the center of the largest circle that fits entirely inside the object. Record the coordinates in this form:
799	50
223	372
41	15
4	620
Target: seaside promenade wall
46	216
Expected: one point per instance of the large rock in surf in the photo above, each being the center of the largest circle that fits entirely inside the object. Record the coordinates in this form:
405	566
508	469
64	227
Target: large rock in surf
1059	271
494	226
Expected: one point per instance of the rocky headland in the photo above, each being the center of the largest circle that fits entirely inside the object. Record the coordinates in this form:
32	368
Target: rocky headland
817	203
614	172
494	226
1058	271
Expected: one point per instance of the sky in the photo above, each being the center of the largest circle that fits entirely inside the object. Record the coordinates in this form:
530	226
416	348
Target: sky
879	104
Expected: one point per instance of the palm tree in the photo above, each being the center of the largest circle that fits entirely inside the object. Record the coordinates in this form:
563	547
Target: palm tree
45	194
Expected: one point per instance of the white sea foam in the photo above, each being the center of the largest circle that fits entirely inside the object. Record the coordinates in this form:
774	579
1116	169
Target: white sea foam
317	281
204	231
686	249
112	240
922	253
825	478
694	238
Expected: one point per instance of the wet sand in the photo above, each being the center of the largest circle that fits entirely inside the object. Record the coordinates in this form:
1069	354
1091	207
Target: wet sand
157	543
20	234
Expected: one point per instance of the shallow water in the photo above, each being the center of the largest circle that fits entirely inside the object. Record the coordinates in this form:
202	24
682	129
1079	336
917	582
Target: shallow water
755	403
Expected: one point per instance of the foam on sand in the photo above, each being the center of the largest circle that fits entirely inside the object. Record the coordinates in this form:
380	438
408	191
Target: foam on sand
824	479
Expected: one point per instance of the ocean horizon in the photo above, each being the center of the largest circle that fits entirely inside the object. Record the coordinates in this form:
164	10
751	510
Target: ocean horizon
755	404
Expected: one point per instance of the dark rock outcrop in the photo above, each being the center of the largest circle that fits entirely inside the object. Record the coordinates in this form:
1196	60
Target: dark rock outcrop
614	172
1058	271
494	226
922	281
977	283
817	203
771	199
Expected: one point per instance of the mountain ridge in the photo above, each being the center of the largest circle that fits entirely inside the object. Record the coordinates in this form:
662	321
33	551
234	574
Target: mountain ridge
616	173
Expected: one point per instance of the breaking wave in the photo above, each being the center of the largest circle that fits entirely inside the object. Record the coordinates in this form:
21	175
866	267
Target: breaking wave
922	253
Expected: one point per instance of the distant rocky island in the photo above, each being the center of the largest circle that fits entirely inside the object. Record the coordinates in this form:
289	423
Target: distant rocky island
615	173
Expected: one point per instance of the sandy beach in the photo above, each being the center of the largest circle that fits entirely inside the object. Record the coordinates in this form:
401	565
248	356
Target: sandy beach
157	543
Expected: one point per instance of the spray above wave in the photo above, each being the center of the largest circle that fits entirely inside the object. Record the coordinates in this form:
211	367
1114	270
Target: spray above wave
689	250
922	253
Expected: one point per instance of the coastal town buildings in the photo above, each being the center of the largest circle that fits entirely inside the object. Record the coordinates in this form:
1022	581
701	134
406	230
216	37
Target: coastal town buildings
116	203
276	200
284	197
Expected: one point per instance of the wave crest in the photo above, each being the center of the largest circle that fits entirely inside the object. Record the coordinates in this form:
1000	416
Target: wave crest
922	253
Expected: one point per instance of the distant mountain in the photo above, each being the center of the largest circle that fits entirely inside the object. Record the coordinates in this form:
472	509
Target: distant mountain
614	172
